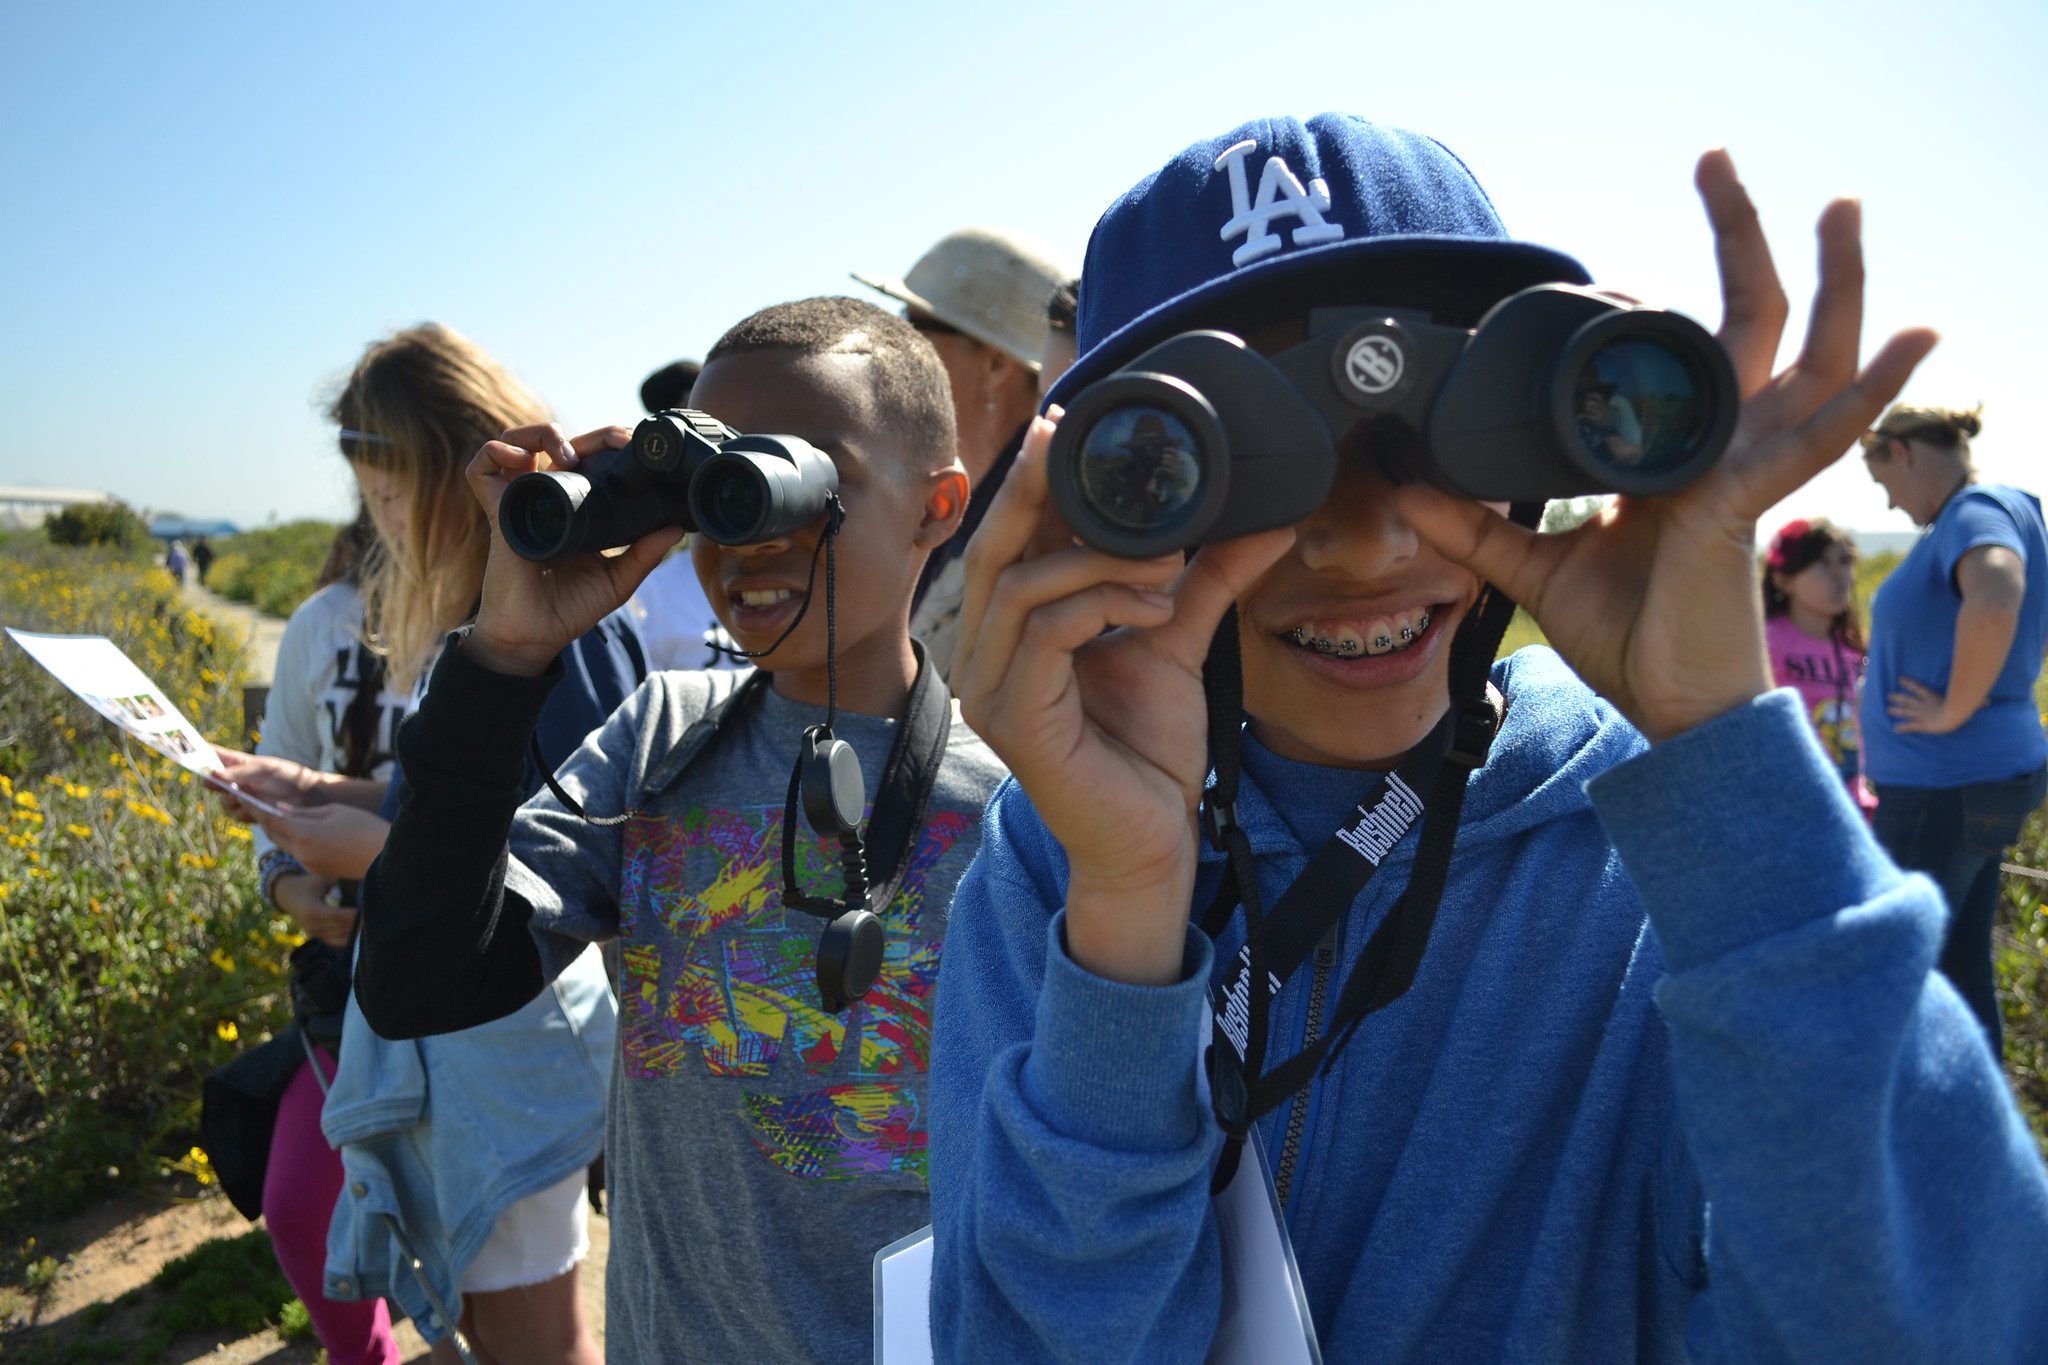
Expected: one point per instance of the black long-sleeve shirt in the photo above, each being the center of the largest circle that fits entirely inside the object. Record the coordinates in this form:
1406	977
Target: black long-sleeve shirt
444	945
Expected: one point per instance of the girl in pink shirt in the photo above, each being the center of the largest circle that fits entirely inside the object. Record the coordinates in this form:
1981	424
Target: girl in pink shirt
1815	640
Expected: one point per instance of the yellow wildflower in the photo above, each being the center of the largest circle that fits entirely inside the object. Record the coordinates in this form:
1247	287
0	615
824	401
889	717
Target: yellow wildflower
81	831
6	785
227	1030
27	800
236	832
221	960
150	812
195	860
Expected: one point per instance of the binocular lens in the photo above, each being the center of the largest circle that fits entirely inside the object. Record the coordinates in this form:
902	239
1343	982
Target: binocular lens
1640	405
1140	468
734	504
536	514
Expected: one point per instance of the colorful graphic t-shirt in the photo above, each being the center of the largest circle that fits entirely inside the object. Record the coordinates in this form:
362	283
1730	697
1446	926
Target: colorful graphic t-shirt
760	1149
1825	674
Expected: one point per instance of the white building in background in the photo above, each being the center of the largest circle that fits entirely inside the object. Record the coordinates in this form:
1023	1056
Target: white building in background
22	506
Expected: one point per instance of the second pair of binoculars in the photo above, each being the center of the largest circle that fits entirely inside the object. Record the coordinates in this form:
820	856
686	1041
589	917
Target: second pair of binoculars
682	468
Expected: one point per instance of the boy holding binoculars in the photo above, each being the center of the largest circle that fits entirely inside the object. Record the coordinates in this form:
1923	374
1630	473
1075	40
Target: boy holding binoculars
1652	1061
764	1138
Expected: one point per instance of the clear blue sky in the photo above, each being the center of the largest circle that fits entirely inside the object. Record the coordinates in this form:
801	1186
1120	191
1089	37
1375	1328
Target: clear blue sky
211	208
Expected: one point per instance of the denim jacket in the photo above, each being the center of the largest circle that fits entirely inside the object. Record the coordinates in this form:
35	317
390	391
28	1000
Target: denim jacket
439	1136
429	1179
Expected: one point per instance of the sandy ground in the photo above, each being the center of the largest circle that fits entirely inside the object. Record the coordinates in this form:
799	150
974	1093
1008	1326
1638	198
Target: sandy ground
122	1243
263	631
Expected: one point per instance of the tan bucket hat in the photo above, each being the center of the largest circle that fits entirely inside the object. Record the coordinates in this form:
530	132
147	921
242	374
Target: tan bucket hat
991	285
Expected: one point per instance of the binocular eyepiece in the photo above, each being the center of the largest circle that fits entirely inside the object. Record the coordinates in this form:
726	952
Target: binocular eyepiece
682	468
1558	391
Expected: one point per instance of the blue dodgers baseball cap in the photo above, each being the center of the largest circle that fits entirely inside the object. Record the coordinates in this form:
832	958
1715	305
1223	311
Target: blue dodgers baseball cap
1279	202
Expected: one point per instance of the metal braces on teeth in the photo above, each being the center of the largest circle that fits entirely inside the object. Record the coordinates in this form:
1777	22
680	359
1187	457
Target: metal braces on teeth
1337	650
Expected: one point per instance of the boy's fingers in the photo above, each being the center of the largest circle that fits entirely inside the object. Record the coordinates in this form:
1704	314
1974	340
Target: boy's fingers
1475	536
531	438
496	459
1217	576
1009	525
1025	680
1823	437
1025	591
1835	330
1753	304
613	437
1056	630
644	554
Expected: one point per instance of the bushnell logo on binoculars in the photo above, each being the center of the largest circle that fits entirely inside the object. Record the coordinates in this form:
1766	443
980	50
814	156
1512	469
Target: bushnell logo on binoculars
1558	391
683	468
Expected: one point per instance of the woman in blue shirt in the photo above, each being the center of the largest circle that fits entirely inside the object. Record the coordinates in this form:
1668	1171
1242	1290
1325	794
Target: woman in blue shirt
1952	737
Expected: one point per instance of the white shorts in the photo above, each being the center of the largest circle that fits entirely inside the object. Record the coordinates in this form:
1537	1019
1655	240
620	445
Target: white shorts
536	1239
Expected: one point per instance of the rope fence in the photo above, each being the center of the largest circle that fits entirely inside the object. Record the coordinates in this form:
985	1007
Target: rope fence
2016	870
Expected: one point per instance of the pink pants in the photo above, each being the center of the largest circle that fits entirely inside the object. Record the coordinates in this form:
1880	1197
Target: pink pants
299	1190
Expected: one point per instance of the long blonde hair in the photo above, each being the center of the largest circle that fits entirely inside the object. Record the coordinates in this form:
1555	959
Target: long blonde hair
418	405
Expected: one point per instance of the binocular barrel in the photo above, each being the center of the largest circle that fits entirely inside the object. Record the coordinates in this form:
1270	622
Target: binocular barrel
1558	391
682	468
760	487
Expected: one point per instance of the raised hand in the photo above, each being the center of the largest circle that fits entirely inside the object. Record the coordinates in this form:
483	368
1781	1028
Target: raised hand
1083	671
531	612
1654	602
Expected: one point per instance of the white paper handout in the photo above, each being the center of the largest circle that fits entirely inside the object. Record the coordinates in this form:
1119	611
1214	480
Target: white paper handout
1265	1319
109	682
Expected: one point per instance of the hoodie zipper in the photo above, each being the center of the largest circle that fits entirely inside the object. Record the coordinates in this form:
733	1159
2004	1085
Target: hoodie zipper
1297	1115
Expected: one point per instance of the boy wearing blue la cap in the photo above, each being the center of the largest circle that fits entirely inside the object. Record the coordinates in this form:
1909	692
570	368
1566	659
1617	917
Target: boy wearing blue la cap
1674	1076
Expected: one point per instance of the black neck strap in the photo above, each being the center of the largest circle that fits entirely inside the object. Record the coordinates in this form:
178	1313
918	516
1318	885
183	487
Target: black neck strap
908	779
901	800
1241	1089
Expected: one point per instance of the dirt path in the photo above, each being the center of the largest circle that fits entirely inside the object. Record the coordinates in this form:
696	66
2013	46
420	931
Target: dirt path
122	1243
263	632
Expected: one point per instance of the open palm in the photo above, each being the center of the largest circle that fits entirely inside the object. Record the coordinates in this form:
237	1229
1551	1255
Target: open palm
1654	602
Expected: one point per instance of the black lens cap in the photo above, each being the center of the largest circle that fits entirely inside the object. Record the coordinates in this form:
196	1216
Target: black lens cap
834	792
849	958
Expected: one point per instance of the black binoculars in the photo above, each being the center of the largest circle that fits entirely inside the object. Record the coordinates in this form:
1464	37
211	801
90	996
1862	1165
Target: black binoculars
683	468
1558	391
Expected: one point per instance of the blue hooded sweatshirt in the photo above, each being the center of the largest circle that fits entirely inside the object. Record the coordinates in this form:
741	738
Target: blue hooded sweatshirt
1676	1079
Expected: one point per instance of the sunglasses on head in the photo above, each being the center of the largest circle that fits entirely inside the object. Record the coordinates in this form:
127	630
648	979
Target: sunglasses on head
354	443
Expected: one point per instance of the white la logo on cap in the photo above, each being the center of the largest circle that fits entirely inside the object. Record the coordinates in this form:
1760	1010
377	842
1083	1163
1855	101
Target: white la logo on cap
1280	193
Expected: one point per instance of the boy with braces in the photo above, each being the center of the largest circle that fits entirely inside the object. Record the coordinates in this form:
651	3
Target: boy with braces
1674	1077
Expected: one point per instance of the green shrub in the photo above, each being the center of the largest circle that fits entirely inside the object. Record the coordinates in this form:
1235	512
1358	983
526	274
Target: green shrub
274	569
134	954
113	524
